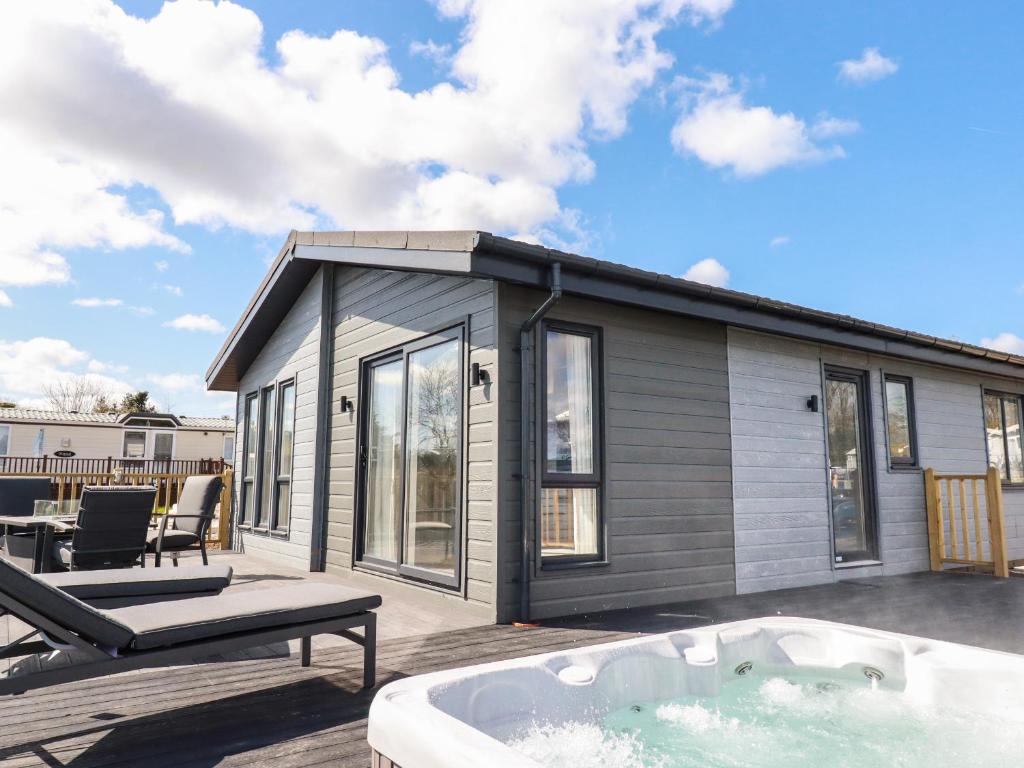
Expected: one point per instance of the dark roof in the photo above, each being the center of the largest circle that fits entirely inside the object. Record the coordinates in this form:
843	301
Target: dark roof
481	254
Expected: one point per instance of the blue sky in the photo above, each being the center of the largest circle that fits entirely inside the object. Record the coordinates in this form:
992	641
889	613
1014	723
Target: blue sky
716	131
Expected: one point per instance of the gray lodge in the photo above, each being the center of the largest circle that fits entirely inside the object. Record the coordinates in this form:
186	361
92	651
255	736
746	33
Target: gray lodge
694	442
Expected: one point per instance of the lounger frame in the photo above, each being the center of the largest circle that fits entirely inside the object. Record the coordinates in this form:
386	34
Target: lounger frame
100	661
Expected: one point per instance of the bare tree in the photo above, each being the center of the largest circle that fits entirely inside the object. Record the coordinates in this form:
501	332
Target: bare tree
76	394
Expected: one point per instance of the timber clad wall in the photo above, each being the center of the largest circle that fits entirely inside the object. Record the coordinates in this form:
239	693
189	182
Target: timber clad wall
292	351
667	490
780	476
374	311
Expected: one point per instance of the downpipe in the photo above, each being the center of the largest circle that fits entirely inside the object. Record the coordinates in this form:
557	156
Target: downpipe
525	420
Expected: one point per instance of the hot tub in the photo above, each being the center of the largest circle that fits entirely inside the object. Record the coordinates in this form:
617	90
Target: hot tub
764	692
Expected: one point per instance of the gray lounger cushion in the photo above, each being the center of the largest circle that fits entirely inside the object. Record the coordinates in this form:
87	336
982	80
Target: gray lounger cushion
140	582
200	618
63	609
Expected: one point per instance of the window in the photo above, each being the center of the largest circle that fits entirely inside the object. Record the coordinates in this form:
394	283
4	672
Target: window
134	445
5	439
899	421
1003	435
570	516
249	449
163	446
265	470
283	457
229	449
410	459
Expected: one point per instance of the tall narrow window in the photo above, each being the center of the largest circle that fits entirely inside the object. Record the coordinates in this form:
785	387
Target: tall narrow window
163	446
899	417
1003	435
250	453
285	445
570	517
268	422
229	449
5	439
410	458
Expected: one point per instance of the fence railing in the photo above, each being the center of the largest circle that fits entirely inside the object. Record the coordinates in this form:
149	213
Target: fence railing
962	532
67	486
28	465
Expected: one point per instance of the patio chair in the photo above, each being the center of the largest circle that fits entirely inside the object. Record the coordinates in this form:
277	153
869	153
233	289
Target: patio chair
17	499
186	527
111	530
117	640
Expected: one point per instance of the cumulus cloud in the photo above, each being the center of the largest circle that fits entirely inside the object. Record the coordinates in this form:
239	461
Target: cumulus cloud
709	272
871	66
97	302
440	55
186	105
5	300
718	127
28	366
190	322
1005	342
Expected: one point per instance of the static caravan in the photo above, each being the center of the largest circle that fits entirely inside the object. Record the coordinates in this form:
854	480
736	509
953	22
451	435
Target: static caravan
532	433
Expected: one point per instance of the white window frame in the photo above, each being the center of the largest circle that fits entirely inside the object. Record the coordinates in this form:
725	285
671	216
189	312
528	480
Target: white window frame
152	444
124	444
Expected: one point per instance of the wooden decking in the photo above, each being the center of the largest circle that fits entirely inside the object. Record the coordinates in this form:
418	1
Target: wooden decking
251	712
266	710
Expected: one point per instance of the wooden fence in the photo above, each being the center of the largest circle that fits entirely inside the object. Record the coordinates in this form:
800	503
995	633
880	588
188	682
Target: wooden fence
960	531
66	486
33	465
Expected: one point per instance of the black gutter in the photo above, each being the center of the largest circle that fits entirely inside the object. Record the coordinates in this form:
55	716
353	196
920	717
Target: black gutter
525	419
322	438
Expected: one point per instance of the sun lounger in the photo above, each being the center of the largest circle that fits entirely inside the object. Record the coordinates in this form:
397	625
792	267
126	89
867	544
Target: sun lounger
176	632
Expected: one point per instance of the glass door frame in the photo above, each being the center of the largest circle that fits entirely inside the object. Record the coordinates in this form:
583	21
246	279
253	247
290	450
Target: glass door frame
862	380
399	567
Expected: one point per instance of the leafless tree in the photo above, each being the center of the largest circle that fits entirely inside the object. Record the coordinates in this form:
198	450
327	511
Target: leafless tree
77	393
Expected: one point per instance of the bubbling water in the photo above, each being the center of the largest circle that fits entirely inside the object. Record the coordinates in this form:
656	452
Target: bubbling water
771	722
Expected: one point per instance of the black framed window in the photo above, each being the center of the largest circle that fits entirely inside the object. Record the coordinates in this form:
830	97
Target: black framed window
134	444
249	454
283	453
900	425
410	459
571	521
265	465
1003	435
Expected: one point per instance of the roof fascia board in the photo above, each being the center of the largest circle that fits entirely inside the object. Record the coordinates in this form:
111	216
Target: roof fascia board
604	286
399	259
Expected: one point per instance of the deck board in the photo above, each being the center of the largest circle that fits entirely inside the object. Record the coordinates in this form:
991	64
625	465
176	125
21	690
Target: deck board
264	709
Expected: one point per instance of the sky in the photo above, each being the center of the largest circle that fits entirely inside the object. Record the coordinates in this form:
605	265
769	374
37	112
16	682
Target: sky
859	157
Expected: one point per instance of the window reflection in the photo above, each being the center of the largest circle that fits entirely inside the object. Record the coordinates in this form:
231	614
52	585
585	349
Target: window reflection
570	419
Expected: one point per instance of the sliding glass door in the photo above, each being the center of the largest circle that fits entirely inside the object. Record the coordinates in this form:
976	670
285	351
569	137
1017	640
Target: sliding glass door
851	487
410	459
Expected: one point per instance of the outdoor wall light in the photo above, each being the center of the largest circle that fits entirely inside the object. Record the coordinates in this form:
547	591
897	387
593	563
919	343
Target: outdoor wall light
812	403
346	404
478	376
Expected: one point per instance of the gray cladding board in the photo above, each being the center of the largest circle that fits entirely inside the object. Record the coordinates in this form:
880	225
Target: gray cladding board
375	311
292	352
780	474
667	489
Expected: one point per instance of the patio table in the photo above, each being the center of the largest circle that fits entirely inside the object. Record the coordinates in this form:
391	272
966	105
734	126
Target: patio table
39	524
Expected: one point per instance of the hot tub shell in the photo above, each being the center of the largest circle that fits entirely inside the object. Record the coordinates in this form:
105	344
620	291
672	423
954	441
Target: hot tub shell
461	717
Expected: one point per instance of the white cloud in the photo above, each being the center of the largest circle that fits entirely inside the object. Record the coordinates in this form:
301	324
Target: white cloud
1005	342
28	366
174	290
142	311
97	302
177	382
161	265
5	300
439	55
871	66
190	322
709	272
779	240
185	104
827	127
722	130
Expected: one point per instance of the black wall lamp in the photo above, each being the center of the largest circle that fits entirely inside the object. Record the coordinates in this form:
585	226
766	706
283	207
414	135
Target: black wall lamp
346	404
477	375
812	403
